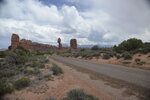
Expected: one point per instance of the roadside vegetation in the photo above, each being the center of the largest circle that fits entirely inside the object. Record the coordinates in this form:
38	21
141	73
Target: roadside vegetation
76	94
17	67
124	51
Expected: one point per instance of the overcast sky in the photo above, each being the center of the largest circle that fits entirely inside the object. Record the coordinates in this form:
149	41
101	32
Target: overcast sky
103	22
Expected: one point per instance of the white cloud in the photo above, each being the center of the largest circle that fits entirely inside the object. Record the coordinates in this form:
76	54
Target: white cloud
101	21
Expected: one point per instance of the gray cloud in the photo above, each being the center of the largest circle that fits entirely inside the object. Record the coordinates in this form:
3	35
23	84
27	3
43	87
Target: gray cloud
90	21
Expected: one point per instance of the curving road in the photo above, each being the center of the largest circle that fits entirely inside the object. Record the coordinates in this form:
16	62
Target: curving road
132	75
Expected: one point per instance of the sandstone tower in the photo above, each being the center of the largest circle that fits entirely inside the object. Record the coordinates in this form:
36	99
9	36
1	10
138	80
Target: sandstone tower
14	41
73	44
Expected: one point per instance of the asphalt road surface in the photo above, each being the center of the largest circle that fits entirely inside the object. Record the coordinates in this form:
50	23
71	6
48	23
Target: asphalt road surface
131	75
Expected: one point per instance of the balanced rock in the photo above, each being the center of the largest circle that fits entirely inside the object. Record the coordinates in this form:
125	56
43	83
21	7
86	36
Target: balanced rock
59	43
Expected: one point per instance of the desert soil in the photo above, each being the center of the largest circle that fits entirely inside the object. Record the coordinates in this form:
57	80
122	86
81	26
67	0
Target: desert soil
57	88
71	79
113	60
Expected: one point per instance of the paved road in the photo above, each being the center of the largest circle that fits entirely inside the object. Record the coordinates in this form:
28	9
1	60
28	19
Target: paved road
131	75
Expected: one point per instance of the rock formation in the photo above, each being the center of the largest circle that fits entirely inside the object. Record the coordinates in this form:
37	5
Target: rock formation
28	44
73	44
59	43
14	41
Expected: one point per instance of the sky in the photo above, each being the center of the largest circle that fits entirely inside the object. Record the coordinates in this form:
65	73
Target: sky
91	22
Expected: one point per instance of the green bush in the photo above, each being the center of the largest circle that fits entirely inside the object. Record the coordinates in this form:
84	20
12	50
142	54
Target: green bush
95	47
79	94
106	56
126	55
137	60
129	45
118	56
22	83
126	62
9	88
140	62
18	56
82	49
3	54
51	98
40	52
56	70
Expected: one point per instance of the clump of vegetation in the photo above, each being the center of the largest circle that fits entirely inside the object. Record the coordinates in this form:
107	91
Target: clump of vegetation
20	61
106	56
22	83
126	62
126	55
76	94
95	47
139	62
38	52
56	70
18	56
3	54
6	88
132	45
51	98
129	45
79	94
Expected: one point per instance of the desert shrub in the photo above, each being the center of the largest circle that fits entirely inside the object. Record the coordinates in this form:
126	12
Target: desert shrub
18	56
106	56
3	54
137	59
9	88
49	76
126	55
82	49
40	52
79	94
126	62
31	71
129	45
56	70
95	54
95	47
66	54
6	73
51	98
118	56
38	64
140	62
21	83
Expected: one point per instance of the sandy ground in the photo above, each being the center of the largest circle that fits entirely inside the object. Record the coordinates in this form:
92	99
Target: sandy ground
57	88
73	78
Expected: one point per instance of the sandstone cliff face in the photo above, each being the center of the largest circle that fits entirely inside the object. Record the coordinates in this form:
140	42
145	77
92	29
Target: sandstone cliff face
73	44
28	44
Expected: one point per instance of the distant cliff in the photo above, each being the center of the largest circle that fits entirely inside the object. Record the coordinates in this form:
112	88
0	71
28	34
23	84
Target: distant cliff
28	44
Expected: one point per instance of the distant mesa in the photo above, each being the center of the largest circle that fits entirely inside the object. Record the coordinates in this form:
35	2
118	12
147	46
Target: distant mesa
29	45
